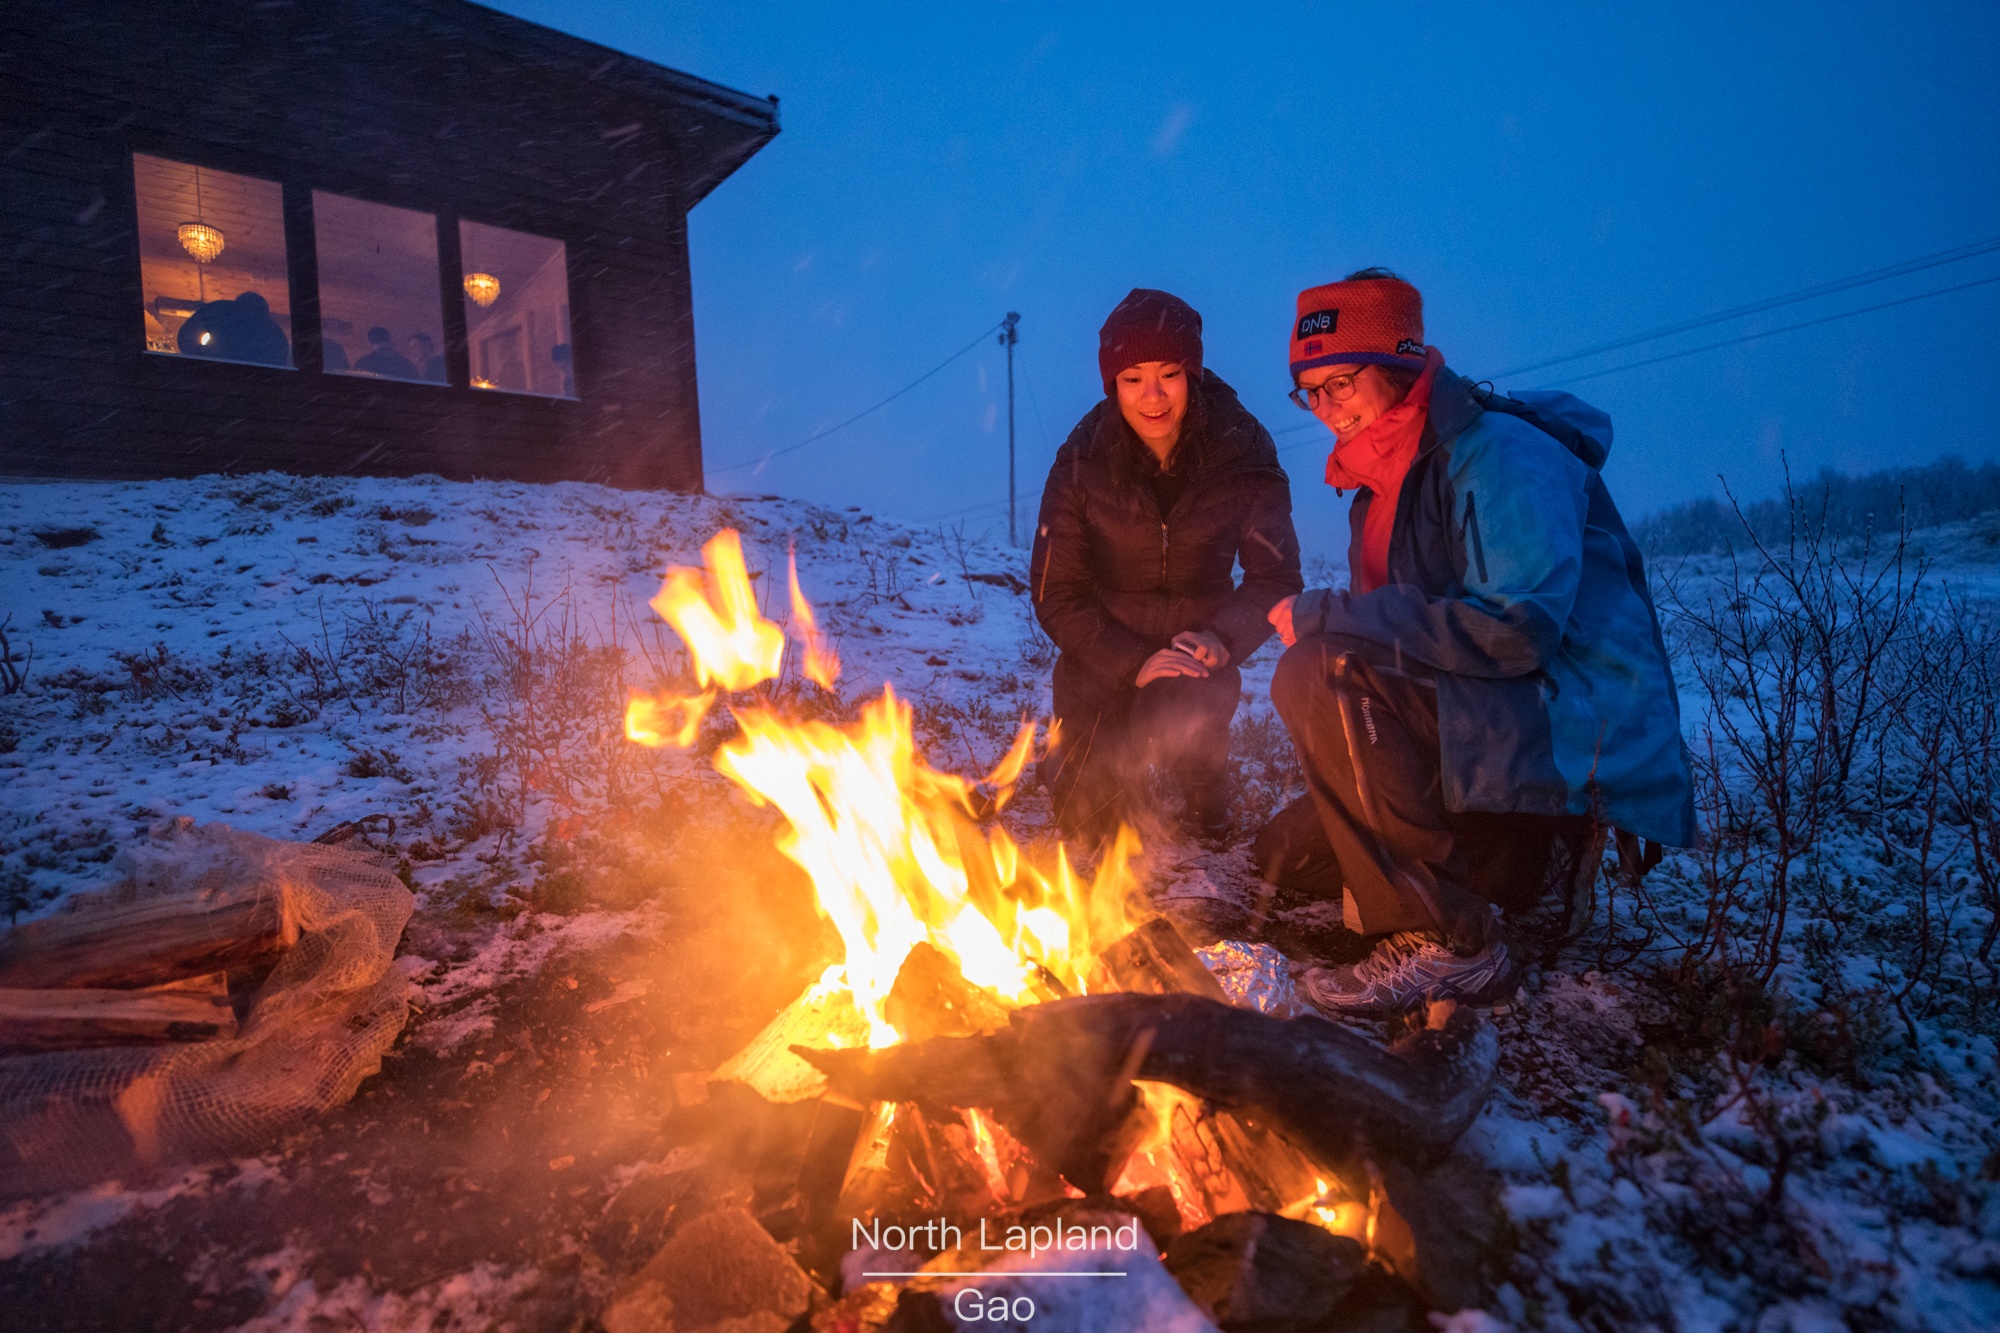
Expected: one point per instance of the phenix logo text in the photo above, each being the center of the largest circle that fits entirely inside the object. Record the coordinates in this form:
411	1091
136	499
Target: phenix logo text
938	1234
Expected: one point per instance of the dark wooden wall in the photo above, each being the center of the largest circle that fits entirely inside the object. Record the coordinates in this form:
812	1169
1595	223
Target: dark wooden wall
437	105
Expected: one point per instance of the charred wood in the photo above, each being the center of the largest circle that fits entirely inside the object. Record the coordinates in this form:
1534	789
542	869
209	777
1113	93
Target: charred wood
1059	1075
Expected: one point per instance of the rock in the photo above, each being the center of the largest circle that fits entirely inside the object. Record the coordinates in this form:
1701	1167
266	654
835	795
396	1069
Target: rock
721	1271
659	1200
1442	1240
1259	1273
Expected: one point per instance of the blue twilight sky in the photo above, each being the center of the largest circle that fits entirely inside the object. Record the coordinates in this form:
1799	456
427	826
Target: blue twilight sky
1551	176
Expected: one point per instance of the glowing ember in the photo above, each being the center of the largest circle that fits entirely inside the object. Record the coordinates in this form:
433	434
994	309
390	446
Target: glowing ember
895	854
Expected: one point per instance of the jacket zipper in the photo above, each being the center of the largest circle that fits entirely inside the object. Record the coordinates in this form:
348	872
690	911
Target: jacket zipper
1163	555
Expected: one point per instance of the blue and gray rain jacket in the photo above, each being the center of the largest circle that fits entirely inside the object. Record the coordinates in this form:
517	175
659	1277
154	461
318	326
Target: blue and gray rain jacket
1512	576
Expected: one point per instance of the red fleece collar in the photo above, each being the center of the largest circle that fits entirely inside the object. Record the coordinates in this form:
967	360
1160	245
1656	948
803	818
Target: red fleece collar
1379	458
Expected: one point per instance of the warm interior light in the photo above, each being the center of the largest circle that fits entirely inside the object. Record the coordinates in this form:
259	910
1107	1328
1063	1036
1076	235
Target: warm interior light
483	288
200	240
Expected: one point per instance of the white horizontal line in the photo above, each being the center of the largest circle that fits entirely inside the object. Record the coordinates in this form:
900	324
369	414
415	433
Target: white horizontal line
991	1273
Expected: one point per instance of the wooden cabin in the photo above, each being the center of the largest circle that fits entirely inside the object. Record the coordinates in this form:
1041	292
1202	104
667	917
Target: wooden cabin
379	237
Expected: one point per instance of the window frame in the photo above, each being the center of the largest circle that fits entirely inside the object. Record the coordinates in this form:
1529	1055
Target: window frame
302	270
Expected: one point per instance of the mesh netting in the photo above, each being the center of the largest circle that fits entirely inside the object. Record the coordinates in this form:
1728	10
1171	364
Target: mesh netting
318	1025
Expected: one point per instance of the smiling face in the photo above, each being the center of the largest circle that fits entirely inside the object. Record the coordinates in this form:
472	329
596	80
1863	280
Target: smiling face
1373	395
1153	396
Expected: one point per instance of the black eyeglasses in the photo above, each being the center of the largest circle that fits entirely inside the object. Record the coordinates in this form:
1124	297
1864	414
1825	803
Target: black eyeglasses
1336	388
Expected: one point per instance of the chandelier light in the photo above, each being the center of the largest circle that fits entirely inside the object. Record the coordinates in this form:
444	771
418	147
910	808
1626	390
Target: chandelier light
198	238
483	288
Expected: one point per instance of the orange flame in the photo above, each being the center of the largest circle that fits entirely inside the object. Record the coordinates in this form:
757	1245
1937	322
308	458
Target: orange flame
822	664
716	616
894	857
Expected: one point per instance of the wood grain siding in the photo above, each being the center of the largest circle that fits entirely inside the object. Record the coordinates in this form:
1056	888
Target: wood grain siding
435	105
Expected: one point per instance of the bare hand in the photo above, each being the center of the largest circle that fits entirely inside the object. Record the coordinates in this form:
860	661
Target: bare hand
1170	662
1203	647
1281	620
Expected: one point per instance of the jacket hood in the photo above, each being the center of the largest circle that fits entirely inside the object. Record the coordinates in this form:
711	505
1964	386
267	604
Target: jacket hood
1593	425
1456	403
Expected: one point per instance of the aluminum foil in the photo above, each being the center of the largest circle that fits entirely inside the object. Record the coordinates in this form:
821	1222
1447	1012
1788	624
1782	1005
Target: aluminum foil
1255	976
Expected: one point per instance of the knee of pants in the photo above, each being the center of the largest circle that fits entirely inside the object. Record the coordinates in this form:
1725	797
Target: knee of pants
1300	672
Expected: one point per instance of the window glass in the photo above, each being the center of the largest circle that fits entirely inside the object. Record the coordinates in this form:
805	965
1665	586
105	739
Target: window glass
517	311
381	312
212	263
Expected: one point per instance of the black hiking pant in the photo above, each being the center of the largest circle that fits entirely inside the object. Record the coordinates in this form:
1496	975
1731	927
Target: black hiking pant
1366	731
1109	736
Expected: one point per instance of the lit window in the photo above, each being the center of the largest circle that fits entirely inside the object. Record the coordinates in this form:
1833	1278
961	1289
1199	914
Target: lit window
212	263
379	305
517	311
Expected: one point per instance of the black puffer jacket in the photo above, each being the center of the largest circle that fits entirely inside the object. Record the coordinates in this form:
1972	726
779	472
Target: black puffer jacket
1114	579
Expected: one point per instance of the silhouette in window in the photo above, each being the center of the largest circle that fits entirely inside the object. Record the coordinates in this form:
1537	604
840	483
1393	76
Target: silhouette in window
384	360
238	330
424	354
560	355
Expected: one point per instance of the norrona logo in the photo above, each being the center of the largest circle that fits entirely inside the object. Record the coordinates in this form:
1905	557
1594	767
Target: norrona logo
1319	321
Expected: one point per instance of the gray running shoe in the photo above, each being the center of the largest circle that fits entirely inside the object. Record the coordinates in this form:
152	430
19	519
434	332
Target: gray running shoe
1409	969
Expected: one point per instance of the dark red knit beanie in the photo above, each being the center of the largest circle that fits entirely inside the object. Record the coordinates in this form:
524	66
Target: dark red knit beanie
1149	326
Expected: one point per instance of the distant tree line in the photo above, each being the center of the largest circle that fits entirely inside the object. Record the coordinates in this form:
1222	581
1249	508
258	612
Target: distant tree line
1942	492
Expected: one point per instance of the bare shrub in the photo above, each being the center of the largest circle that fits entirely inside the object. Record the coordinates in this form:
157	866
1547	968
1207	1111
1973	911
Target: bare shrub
13	670
1849	704
392	659
555	703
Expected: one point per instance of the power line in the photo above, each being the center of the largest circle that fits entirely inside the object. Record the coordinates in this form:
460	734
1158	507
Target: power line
968	509
1803	294
1752	337
820	435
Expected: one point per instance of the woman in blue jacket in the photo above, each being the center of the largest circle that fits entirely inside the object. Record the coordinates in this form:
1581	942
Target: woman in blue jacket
1495	657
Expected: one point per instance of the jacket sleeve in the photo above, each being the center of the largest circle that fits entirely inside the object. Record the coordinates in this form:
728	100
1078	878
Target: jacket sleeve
1518	502
1268	549
1059	582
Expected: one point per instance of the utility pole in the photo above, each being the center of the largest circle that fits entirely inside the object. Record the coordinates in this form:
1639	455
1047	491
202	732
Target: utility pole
1008	337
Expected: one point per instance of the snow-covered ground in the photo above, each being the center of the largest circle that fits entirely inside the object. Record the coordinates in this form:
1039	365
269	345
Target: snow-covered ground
596	921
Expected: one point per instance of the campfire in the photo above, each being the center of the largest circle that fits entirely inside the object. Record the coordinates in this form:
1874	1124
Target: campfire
1007	1032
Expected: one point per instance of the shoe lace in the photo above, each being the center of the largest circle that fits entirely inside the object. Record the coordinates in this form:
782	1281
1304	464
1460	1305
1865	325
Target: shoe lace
1391	954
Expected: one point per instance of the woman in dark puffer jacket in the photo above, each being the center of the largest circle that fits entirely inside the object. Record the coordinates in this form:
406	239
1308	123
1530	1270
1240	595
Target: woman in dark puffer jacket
1160	490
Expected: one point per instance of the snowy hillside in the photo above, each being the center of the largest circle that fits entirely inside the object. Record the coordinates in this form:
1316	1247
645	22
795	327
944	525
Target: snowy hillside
437	672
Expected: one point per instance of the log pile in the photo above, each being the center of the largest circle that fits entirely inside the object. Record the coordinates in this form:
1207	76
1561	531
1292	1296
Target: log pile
150	970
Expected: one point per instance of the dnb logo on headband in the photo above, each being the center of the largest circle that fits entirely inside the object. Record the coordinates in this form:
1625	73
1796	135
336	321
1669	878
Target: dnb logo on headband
1319	321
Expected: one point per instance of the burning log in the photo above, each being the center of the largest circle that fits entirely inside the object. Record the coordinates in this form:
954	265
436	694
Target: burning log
932	998
768	1067
158	939
1057	1070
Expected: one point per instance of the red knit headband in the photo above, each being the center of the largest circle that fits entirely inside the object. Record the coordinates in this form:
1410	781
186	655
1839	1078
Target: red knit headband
1367	321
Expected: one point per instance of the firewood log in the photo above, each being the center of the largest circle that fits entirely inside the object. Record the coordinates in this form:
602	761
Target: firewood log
1155	960
63	1019
146	942
1329	1090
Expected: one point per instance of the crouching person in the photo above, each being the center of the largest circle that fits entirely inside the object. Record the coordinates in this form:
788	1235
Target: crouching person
1493	675
1159	492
